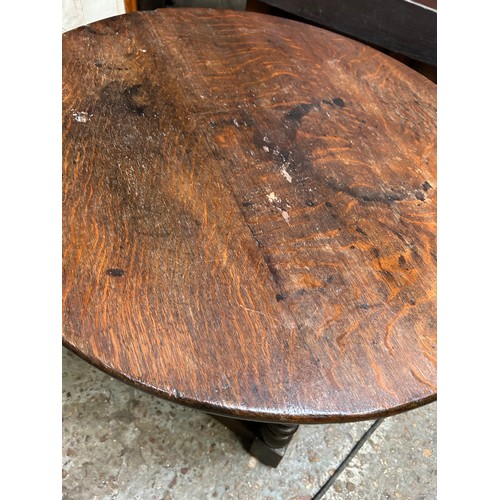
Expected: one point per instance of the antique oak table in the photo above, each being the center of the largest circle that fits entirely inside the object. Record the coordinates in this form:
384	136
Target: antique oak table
249	214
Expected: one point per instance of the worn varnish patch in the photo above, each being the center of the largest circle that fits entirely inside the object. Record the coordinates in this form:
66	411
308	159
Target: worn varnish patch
249	224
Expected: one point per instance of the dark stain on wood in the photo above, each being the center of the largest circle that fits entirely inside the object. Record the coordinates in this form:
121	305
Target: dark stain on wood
338	102
115	272
298	112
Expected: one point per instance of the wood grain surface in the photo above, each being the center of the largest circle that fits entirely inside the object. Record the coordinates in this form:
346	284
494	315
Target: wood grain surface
407	27
249	215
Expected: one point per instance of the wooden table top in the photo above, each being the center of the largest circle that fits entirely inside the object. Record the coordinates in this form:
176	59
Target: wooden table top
249	215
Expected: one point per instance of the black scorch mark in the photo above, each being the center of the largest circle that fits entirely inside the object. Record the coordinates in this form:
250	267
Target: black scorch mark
115	272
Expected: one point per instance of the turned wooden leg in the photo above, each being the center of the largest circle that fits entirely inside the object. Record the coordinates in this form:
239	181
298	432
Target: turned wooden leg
265	441
270	446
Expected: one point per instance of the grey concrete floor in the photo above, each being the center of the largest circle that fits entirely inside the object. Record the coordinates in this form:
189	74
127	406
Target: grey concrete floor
121	443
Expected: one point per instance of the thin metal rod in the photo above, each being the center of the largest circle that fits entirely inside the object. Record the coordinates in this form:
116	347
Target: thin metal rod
347	459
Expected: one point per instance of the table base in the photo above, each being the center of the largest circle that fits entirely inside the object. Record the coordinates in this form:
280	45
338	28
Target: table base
268	442
265	441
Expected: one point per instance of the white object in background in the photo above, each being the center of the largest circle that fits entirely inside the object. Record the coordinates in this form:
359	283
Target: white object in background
79	12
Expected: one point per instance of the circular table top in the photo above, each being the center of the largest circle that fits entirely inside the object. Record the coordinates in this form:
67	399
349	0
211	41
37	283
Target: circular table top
249	213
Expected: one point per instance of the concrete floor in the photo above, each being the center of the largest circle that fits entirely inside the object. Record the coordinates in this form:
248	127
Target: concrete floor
121	443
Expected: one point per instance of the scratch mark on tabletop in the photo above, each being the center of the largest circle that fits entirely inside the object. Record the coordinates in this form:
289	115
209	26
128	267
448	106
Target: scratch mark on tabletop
285	174
81	116
272	197
285	215
258	312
